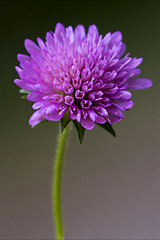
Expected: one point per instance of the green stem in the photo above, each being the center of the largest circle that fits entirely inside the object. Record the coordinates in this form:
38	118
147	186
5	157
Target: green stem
56	189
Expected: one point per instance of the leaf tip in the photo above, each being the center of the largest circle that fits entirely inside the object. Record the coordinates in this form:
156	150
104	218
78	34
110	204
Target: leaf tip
108	127
80	130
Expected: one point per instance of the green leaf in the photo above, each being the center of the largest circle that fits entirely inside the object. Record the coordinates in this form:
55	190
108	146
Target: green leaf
44	121
65	120
24	92
80	130
108	127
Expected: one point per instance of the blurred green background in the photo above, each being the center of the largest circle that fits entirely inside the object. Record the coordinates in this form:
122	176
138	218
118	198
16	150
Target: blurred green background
111	187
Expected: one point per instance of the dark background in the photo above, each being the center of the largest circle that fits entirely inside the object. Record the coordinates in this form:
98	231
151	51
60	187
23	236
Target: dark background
110	186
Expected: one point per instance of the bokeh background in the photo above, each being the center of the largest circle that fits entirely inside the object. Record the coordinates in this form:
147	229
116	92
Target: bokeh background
111	187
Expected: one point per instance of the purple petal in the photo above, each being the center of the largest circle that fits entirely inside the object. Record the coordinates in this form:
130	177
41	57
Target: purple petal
115	112
109	76
54	108
59	31
41	104
123	104
57	114
100	120
73	112
92	115
106	38
122	63
87	123
115	38
70	34
133	72
51	109
41	43
28	64
35	96
139	83
43	88
125	95
79	32
24	58
114	115
93	35
50	42
57	98
123	48
24	85
102	111
37	105
69	100
37	117
59	28
32	47
114	119
86	104
54	116
133	63
26	76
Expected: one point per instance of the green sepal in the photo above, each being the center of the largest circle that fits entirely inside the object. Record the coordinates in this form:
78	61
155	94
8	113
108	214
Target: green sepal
44	121
80	130
24	92
108	127
65	120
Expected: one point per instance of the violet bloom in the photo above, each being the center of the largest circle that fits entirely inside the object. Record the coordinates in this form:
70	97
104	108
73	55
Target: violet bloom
81	73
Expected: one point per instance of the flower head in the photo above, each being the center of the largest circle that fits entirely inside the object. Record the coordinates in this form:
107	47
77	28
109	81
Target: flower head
82	74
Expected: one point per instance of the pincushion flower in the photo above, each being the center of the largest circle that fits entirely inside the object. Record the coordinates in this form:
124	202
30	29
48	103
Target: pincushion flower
79	77
82	74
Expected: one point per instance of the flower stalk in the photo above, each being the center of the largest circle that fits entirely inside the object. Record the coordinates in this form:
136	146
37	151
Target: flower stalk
56	184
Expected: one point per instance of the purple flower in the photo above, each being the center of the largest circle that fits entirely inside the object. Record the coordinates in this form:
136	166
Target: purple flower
82	74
